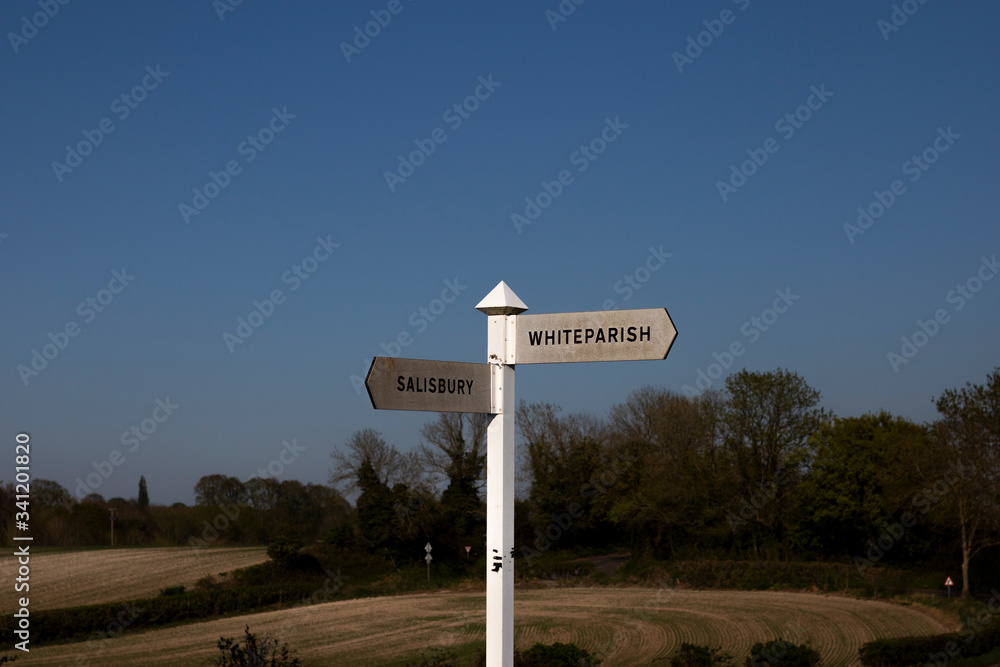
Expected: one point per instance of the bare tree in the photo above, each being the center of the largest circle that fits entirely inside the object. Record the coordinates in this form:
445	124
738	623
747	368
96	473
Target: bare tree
455	446
969	433
368	446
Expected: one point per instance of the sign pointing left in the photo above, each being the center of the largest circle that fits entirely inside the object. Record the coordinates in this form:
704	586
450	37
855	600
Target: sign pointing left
438	386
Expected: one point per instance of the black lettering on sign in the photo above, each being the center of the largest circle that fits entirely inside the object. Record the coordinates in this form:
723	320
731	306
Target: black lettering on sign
433	385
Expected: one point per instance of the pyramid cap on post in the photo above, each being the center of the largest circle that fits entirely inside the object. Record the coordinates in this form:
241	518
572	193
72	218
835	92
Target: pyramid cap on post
501	301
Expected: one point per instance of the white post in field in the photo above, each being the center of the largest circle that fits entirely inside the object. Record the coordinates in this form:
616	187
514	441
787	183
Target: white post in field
502	306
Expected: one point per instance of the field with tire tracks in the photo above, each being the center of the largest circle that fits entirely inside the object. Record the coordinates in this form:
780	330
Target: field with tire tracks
628	626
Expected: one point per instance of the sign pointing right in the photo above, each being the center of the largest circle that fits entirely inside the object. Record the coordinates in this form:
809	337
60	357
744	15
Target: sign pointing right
604	335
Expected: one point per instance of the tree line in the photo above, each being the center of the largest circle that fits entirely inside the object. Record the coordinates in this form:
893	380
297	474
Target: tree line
756	471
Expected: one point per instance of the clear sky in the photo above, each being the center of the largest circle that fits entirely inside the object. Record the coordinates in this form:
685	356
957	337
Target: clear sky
175	162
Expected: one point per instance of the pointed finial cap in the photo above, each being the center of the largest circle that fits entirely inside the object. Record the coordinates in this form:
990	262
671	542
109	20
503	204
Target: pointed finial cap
501	301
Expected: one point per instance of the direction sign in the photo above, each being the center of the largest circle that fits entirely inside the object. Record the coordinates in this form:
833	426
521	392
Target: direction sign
607	335
428	547
438	386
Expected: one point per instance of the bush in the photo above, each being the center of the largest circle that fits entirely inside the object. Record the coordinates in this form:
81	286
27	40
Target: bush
172	590
543	655
283	548
692	655
905	651
254	653
779	653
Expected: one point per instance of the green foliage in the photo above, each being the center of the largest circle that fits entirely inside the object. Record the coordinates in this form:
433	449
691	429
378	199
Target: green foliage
284	547
861	479
693	655
905	651
77	623
143	493
555	655
171	590
376	513
768	420
547	655
781	653
255	652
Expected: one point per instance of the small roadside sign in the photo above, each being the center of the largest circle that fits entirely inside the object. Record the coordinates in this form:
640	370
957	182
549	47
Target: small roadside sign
949	582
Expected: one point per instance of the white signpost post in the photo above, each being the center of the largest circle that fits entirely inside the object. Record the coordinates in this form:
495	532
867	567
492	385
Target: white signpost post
512	338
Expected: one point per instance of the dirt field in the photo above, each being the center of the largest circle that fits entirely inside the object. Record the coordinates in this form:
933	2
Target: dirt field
89	577
628	626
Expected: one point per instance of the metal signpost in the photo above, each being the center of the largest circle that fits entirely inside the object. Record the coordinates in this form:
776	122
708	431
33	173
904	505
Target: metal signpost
949	583
428	560
512	338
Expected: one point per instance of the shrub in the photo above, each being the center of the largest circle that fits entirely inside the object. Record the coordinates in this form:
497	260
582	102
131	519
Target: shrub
283	548
905	651
693	655
779	653
543	655
172	590
254	653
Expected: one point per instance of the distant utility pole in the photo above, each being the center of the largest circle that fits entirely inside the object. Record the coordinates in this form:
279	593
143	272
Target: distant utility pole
112	526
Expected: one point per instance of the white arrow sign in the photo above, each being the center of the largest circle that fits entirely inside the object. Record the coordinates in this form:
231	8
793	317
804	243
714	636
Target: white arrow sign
428	547
609	335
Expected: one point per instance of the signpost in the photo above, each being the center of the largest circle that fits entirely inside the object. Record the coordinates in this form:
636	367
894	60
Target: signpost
444	386
438	386
949	583
613	335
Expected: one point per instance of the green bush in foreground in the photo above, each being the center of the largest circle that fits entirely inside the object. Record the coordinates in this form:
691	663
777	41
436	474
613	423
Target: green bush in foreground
547	655
693	655
941	649
779	653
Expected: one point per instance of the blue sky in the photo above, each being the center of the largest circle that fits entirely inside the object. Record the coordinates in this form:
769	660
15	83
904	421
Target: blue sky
208	89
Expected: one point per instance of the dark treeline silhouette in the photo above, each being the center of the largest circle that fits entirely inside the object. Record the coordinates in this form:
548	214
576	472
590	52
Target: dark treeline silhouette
757	471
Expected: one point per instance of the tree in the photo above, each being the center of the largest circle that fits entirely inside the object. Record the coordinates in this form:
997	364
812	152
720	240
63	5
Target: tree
673	472
214	490
864	472
768	420
458	454
376	513
143	493
47	493
367	446
969	436
561	457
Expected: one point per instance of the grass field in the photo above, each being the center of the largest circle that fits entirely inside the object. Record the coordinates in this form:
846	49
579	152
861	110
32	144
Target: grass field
66	579
629	626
